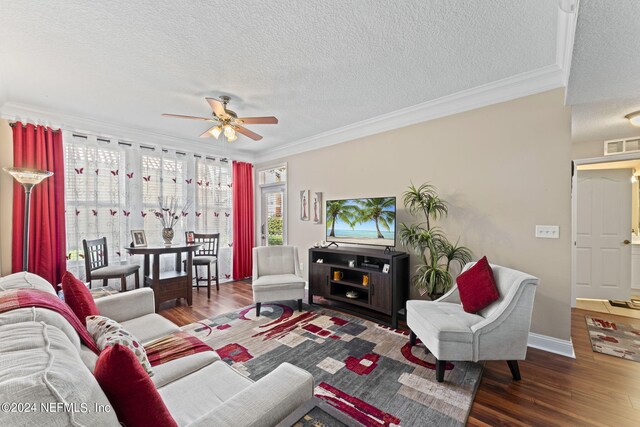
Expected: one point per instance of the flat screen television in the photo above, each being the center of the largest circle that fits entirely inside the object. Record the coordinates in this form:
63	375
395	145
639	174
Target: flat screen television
365	221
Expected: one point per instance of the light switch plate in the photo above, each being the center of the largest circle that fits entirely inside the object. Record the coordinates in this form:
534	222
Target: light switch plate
548	231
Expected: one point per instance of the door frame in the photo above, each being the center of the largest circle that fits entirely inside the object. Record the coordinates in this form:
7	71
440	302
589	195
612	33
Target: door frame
574	206
259	204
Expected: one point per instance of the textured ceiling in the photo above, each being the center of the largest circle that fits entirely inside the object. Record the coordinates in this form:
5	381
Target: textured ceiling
317	66
603	86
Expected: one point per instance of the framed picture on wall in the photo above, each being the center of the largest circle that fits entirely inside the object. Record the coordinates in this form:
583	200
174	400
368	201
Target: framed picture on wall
304	205
316	208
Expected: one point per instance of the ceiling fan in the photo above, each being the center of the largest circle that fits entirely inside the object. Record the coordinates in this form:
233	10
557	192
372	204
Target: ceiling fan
227	121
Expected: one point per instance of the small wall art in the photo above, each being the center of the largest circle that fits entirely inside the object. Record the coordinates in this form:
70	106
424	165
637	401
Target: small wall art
304	205
316	208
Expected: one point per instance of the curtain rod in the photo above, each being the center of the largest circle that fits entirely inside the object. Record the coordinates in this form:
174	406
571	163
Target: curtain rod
148	147
14	124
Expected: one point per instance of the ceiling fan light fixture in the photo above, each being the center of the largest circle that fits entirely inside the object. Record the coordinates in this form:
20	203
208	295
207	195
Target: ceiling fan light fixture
228	131
232	137
634	118
216	131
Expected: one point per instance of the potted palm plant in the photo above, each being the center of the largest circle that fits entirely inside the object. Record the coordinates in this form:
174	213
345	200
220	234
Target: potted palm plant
436	253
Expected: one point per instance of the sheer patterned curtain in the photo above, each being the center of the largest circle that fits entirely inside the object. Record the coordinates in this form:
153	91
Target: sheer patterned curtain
94	197
213	190
113	188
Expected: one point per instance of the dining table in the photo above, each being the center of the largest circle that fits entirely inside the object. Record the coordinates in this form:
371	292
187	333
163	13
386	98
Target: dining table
172	284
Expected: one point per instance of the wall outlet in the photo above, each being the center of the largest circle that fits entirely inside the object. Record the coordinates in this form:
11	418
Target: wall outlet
301	265
548	231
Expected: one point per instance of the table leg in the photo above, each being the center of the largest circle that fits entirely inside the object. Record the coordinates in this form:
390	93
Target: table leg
189	288
155	280
145	270
179	261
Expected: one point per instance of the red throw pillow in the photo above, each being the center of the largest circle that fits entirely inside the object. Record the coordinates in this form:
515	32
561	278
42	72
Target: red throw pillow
477	287
78	297
130	390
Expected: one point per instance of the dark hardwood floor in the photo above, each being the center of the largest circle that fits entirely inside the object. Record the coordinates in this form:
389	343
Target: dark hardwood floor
592	390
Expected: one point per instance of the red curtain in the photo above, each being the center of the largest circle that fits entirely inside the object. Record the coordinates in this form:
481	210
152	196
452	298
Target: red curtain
39	147
243	224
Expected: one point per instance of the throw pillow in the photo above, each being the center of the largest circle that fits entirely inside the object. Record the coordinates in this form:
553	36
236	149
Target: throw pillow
477	287
107	332
130	390
78	297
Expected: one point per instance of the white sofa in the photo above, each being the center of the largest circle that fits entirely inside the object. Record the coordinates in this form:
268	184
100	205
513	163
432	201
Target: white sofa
46	371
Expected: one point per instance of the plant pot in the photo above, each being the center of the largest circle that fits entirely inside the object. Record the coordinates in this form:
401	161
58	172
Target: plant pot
167	235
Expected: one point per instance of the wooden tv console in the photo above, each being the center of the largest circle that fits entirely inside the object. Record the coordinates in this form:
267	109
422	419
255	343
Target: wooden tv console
386	292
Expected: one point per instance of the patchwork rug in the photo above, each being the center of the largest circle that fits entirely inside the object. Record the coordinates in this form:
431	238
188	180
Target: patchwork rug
614	338
363	369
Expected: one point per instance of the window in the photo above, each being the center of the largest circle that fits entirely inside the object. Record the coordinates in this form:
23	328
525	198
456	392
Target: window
93	202
273	190
113	188
163	178
213	199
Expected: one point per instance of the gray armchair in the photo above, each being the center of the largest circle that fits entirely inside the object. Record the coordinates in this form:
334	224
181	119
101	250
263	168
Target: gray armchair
276	275
498	332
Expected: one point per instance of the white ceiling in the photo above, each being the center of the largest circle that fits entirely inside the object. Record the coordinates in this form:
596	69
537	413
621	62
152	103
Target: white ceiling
317	66
603	86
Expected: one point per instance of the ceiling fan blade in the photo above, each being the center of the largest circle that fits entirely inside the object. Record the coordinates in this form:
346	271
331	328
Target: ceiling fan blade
217	107
207	132
179	116
247	132
270	120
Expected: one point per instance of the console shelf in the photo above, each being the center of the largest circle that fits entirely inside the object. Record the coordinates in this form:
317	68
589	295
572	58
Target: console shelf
335	271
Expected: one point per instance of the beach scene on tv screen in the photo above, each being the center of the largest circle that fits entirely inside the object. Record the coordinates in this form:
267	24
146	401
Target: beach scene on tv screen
367	221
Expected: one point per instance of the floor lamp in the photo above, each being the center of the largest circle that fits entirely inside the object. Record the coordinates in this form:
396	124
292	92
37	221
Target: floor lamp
29	178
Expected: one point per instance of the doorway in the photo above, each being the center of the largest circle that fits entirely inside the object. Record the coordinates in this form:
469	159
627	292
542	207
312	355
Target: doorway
272	220
272	184
606	223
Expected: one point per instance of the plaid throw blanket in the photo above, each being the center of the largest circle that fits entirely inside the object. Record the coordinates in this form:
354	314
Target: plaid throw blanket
20	298
174	346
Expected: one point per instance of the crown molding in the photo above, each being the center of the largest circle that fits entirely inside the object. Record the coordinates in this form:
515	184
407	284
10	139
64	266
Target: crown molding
566	35
84	125
507	89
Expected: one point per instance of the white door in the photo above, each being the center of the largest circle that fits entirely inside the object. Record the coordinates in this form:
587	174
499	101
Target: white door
603	252
273	227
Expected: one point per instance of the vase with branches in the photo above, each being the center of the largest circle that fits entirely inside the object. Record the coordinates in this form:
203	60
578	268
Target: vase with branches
169	214
436	253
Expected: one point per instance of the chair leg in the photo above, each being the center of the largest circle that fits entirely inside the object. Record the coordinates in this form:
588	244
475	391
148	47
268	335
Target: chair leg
515	369
412	338
258	304
209	281
105	282
123	283
137	279
300	305
197	280
217	277
440	364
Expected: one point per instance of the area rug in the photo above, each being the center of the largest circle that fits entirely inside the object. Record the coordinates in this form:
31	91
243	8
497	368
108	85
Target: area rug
363	369
614	338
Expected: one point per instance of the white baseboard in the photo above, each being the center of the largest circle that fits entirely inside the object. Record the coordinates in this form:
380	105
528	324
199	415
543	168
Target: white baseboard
551	344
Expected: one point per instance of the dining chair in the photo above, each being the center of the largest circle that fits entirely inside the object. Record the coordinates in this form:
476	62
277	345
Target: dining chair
206	255
96	262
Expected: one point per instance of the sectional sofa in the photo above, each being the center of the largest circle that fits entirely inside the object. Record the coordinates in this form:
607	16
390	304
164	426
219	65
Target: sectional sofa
46	371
